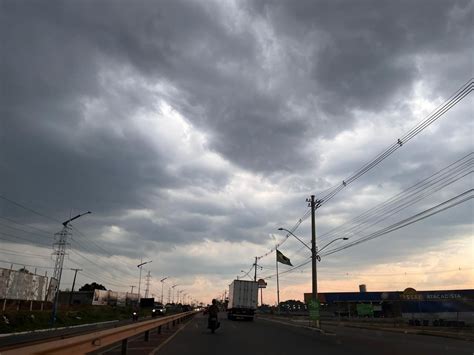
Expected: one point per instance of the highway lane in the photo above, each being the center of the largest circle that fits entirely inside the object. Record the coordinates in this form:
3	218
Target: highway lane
266	337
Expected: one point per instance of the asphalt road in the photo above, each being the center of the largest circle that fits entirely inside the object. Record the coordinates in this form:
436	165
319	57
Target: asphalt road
267	337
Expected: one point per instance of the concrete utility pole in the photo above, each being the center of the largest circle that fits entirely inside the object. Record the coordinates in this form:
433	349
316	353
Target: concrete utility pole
73	283
314	254
255	266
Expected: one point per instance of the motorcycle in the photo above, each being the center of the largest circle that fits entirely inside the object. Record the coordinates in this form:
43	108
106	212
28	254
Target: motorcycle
134	316
213	324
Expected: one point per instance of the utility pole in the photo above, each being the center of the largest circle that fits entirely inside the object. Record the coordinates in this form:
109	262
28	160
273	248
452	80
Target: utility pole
73	283
314	253
60	251
132	286
255	266
148	279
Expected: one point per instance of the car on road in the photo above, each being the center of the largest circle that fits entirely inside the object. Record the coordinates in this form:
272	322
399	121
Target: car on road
158	310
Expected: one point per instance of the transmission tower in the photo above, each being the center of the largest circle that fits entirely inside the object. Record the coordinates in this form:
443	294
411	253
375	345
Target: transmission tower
59	248
148	279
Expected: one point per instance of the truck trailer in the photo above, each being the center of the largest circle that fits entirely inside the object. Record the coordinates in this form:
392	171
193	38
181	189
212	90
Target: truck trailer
243	298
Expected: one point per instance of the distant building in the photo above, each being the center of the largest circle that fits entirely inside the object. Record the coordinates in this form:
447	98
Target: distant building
76	297
422	307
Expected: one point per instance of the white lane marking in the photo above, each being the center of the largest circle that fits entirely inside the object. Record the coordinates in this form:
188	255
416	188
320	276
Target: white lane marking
169	339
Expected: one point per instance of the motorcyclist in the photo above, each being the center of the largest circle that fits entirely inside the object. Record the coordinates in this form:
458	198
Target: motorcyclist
213	311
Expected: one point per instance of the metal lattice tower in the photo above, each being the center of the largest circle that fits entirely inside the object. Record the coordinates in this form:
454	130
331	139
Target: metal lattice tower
148	279
59	248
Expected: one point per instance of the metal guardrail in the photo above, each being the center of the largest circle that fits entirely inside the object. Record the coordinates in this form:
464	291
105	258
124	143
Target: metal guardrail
82	344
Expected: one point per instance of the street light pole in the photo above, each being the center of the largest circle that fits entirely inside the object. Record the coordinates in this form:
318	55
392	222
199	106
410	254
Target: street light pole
172	293
314	254
140	277
60	252
162	282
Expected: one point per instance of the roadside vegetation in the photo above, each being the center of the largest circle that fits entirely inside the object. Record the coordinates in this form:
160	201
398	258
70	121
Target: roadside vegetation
19	321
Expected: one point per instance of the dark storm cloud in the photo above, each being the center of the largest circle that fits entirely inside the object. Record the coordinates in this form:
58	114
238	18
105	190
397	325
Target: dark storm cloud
366	51
363	58
53	58
261	90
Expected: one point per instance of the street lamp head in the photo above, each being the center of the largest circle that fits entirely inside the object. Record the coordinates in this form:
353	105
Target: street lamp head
146	262
280	229
345	238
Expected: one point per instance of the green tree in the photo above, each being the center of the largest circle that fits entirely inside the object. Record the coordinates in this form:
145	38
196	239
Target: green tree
93	286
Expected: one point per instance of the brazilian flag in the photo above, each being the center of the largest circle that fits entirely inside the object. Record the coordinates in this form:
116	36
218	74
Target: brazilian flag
283	259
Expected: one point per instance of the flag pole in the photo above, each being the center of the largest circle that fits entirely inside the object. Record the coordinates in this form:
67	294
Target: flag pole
278	282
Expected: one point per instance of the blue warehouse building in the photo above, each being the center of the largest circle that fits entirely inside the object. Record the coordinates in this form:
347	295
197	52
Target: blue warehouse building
438	307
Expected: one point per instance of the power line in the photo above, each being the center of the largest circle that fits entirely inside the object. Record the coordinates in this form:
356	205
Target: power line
17	253
460	94
15	237
27	225
434	183
433	272
28	265
404	199
21	230
102	248
28	209
80	245
461	198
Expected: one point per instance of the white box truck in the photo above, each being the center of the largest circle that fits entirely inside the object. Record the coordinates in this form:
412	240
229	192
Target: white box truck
243	298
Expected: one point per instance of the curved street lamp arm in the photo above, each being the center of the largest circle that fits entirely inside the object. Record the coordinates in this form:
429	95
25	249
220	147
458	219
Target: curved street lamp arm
73	218
286	230
332	241
146	262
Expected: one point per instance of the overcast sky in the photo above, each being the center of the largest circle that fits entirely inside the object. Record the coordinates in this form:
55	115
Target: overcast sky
194	129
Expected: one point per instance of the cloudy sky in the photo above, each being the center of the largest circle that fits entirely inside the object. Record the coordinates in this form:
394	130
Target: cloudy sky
193	130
